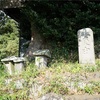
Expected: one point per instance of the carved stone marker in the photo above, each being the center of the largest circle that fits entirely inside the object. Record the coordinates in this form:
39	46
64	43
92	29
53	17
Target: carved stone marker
86	46
41	57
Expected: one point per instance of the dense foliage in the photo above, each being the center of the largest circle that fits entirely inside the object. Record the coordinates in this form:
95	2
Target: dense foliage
59	21
8	36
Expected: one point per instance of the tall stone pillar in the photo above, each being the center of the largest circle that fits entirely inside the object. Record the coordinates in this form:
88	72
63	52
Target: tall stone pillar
86	46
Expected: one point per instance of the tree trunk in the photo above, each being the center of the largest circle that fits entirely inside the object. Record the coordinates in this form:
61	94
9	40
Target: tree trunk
36	42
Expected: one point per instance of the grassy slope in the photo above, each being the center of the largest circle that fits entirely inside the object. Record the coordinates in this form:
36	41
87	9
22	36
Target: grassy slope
55	79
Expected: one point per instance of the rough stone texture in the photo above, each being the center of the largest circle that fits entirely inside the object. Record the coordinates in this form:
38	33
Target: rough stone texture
14	64
35	90
19	83
19	65
45	52
9	59
7	81
86	46
51	96
41	61
9	64
41	58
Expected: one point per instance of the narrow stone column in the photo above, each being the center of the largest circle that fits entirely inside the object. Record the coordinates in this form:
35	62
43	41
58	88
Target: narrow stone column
86	46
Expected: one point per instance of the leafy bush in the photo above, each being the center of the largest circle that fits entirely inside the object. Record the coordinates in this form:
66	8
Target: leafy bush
9	33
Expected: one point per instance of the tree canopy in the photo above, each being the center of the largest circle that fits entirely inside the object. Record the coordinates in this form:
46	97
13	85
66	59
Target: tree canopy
60	20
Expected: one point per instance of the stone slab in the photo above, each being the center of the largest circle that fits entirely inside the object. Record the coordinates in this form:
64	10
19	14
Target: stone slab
45	52
86	46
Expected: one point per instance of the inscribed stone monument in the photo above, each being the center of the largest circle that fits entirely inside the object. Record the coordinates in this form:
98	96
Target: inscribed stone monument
86	46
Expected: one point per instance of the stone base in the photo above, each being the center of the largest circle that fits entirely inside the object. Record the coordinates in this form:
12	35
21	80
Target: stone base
9	67
41	61
14	64
19	83
19	67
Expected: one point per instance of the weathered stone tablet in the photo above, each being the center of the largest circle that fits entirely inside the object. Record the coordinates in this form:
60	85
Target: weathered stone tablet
86	46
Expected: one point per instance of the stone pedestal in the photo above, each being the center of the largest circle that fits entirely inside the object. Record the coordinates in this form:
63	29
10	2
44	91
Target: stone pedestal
8	62
41	58
9	67
19	65
14	64
86	46
41	61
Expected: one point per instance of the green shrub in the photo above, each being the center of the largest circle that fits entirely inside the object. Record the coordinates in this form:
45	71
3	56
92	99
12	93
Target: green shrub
9	33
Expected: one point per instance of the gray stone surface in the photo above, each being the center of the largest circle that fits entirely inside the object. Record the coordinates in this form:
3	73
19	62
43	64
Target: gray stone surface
41	61
9	59
19	83
7	81
14	64
19	59
45	52
35	90
86	46
8	62
51	96
19	65
41	58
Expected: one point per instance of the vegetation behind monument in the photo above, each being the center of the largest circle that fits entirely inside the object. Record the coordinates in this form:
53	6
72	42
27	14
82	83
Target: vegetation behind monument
58	22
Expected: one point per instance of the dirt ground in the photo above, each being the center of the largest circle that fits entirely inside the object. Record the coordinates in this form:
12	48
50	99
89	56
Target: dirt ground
83	97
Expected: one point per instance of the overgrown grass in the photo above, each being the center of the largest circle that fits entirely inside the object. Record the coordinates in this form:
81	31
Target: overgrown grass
53	79
75	67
